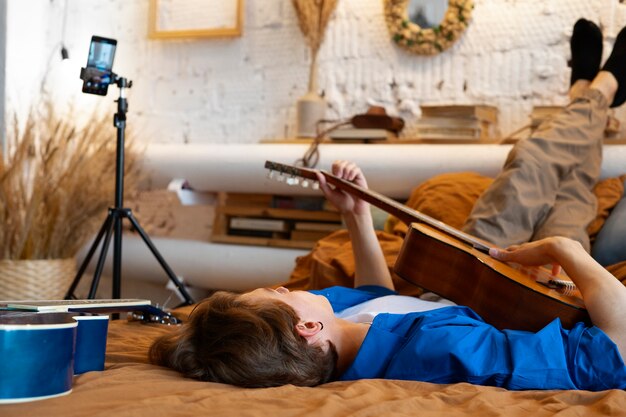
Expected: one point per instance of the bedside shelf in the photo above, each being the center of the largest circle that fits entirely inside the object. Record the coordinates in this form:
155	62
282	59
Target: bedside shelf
253	219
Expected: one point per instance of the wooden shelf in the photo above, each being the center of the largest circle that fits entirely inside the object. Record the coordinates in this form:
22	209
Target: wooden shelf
269	226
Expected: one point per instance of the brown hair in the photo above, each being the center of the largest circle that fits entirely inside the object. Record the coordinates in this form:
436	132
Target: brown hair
240	342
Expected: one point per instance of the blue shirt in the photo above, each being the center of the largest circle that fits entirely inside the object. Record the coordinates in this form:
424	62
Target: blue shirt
454	344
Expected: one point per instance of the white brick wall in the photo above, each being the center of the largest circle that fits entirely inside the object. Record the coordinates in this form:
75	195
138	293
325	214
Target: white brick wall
514	55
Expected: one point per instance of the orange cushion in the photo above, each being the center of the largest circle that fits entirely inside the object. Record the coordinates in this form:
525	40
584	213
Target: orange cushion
446	197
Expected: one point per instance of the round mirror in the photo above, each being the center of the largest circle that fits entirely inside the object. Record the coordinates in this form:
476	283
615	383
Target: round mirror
427	27
427	14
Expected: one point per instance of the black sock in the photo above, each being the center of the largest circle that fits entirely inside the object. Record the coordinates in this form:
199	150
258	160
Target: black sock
616	65
586	49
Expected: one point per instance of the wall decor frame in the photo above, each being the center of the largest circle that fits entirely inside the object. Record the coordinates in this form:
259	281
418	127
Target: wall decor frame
195	18
427	41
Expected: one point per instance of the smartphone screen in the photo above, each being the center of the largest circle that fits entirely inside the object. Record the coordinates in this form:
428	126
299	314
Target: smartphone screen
101	54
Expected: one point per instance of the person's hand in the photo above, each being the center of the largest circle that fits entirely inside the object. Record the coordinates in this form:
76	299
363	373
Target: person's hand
540	252
345	202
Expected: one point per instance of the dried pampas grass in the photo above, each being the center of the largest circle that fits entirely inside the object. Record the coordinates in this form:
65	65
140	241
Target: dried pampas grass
56	183
313	17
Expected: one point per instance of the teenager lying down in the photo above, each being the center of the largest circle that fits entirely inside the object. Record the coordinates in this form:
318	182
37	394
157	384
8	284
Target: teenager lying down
272	337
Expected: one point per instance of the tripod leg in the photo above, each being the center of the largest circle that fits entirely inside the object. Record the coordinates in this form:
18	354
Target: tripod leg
117	257
157	255
102	258
105	226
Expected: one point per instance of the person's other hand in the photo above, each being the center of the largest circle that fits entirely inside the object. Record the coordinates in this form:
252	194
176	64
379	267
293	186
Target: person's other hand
345	203
540	252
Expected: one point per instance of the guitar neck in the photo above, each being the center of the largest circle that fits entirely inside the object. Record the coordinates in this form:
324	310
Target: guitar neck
402	212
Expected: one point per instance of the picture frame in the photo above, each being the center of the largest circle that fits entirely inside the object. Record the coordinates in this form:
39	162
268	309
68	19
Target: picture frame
195	19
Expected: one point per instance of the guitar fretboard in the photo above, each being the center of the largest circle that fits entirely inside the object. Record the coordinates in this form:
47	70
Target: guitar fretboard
407	215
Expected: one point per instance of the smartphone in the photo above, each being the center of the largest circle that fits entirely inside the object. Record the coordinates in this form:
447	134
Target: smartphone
99	65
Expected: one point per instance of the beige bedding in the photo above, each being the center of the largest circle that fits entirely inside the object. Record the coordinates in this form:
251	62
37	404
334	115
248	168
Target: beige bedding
129	386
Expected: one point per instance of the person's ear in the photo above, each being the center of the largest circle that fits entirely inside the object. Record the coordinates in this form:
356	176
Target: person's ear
309	328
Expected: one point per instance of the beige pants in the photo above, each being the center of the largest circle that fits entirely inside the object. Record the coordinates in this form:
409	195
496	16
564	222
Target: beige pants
546	185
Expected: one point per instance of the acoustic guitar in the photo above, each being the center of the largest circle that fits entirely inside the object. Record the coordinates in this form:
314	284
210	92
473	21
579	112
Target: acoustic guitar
456	265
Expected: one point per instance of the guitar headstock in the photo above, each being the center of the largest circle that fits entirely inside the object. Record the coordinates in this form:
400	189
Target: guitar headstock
292	175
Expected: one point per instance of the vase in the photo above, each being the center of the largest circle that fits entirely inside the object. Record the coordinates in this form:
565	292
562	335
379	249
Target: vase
310	110
311	107
36	279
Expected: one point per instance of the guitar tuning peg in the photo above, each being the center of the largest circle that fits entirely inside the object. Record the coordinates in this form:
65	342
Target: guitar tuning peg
270	174
280	177
305	184
292	181
315	185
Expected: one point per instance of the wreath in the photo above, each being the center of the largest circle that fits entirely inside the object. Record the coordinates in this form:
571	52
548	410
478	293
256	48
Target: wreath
427	41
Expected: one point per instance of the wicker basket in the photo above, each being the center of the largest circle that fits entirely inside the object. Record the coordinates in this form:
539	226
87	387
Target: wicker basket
36	279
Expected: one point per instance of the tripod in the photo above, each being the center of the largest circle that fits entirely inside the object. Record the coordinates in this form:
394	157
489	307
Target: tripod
113	222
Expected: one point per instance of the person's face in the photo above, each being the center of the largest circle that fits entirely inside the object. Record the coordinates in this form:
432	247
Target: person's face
308	306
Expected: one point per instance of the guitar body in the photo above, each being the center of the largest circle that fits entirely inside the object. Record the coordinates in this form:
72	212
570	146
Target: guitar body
502	295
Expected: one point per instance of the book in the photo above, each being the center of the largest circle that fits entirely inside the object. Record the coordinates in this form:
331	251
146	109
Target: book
298	202
308	235
317	226
453	122
458	122
244	199
473	130
250	223
351	133
480	112
448	132
251	233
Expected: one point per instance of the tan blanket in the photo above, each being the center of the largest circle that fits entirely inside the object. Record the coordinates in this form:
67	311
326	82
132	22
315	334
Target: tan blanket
131	387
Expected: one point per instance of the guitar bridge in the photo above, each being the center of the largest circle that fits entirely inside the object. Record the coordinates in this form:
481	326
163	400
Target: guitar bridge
542	276
567	286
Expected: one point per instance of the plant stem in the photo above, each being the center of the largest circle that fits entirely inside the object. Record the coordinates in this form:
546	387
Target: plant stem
313	72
